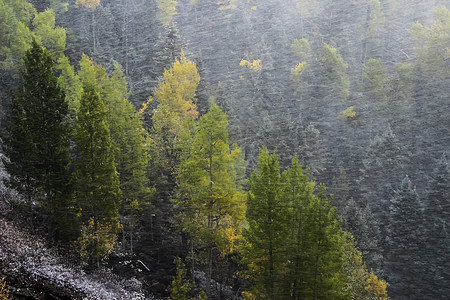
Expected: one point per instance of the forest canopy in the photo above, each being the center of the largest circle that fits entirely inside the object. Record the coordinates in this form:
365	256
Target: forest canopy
231	149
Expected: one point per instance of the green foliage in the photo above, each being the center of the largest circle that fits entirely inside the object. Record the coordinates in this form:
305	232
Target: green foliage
180	287
15	36
376	19
20	23
97	184
175	95
323	245
375	82
265	238
297	76
432	44
209	202
402	82
334	72
294	245
39	140
96	242
128	137
355	270
301	49
53	38
69	82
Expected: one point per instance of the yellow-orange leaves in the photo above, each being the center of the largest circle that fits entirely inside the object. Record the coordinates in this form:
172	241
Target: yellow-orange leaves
254	65
177	90
376	287
92	4
175	94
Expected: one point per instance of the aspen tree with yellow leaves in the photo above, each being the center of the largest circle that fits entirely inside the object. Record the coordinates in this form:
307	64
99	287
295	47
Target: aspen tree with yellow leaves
176	103
166	10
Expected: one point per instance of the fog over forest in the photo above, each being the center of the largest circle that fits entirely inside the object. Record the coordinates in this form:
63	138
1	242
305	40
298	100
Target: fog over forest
224	149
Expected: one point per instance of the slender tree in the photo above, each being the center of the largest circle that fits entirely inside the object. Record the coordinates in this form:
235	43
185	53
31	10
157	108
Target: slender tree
406	240
97	184
209	202
266	235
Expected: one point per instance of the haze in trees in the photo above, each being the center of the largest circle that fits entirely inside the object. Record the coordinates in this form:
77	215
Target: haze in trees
359	89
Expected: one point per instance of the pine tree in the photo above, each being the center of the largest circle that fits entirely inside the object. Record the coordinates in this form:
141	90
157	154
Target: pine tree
323	246
39	141
300	195
437	219
97	184
363	226
384	153
266	236
209	202
406	241
294	245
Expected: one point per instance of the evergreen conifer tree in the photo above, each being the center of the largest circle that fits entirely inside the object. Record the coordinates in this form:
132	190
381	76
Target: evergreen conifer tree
39	140
266	236
406	240
97	184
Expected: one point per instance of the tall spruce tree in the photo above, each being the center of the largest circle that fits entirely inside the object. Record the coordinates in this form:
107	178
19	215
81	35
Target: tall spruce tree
39	140
437	218
323	247
406	242
300	194
267	232
97	184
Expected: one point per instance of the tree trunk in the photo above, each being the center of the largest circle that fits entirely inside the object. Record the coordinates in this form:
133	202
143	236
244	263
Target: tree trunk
209	274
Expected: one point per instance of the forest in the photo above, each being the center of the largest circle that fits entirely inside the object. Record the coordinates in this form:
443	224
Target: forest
224	149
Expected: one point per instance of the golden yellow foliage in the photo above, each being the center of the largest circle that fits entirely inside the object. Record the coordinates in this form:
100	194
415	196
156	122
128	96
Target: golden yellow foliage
254	65
230	232
96	242
166	10
349	113
145	105
248	296
299	68
4	292
254	7
92	4
297	76
178	88
227	4
175	95
376	287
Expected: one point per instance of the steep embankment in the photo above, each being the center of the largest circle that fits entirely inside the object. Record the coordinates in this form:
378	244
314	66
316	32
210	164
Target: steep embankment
34	271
